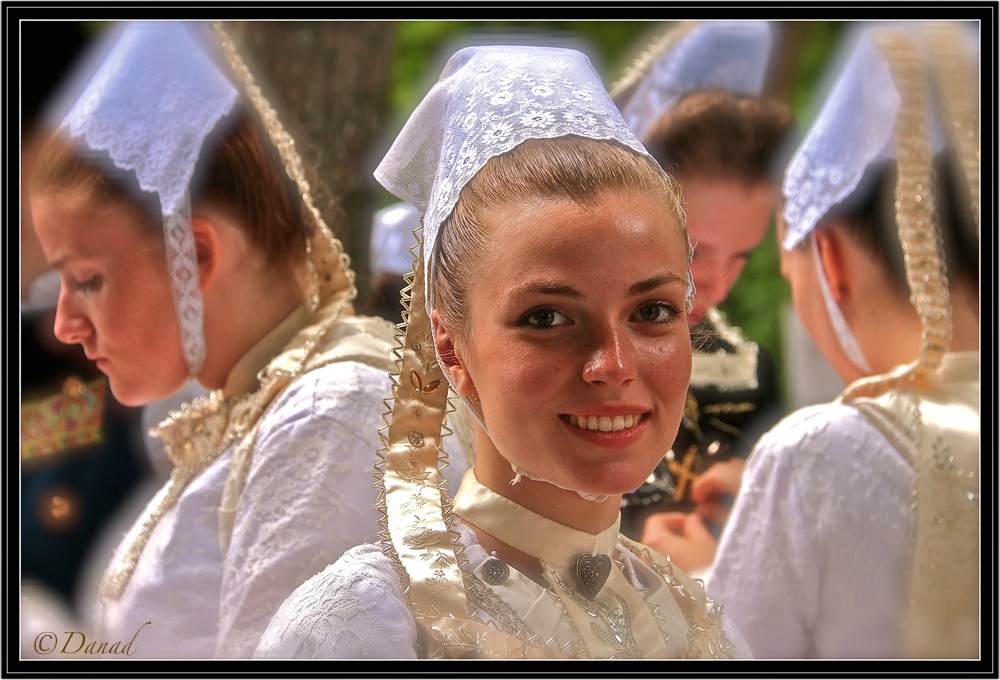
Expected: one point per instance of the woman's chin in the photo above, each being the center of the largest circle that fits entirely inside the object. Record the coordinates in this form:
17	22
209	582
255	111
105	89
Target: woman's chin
618	486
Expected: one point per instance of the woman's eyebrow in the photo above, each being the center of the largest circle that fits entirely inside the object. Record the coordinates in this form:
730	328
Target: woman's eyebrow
653	283
546	288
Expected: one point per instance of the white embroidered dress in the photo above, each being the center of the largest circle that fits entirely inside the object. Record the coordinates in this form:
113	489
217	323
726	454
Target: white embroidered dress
308	497
825	517
355	609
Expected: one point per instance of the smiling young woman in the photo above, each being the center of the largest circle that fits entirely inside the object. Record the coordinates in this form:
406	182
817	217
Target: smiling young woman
552	294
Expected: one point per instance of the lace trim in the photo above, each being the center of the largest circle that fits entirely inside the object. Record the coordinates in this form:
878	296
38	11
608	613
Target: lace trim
193	420
726	371
481	597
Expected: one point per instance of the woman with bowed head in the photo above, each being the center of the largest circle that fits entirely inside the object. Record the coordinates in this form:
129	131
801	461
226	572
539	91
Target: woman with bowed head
174	206
861	516
552	294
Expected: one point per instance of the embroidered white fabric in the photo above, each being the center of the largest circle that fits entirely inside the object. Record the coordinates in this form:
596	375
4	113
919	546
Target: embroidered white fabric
308	497
852	130
813	558
355	609
729	55
150	106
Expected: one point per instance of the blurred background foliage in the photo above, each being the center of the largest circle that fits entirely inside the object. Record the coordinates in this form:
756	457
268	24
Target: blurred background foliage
759	300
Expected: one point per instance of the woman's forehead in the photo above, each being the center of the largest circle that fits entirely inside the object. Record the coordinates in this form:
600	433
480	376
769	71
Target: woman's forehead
619	230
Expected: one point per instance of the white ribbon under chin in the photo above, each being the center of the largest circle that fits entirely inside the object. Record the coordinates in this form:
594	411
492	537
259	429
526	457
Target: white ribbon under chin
841	330
520	472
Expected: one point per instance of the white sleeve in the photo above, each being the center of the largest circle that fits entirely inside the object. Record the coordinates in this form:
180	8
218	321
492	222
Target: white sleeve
354	609
308	496
812	558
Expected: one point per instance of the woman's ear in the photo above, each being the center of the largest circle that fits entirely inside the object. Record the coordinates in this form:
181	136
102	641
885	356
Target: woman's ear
834	257
208	251
450	358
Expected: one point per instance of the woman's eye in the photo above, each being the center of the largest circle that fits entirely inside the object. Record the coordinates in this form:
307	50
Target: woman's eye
87	285
545	318
660	312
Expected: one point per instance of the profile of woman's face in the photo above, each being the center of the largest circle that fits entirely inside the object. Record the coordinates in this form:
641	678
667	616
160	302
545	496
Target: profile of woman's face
577	344
115	299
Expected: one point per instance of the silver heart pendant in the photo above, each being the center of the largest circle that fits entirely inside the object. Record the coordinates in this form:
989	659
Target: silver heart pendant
592	572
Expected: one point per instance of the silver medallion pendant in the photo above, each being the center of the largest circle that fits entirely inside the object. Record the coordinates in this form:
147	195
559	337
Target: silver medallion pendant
495	571
592	572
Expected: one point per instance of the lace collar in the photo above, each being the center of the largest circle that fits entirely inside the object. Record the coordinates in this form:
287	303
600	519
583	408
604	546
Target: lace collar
526	531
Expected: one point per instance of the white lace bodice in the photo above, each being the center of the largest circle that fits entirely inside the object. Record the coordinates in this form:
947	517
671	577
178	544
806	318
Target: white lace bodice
308	497
355	609
823	519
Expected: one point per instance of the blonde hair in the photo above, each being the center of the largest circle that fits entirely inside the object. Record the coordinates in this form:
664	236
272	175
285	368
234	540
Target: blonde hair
570	168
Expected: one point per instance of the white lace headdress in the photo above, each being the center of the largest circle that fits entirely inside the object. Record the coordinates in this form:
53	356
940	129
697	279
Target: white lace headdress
855	127
150	105
902	91
486	102
729	55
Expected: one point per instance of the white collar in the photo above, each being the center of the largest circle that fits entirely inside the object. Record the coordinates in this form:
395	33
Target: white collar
525	530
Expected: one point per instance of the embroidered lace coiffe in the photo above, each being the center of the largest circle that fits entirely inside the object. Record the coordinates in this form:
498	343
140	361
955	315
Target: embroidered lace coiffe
137	109
725	55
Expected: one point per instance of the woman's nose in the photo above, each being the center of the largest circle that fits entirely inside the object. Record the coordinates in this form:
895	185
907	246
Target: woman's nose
713	279
612	361
71	326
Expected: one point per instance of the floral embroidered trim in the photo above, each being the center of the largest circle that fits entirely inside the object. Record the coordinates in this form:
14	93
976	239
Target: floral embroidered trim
611	625
483	598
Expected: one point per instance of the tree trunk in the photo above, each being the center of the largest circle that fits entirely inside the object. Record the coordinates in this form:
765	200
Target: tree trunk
329	83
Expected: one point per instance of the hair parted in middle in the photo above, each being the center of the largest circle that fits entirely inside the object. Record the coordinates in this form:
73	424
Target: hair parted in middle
724	134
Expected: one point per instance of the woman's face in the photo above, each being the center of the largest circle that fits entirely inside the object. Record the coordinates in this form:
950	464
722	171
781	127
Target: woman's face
726	220
115	299
577	344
